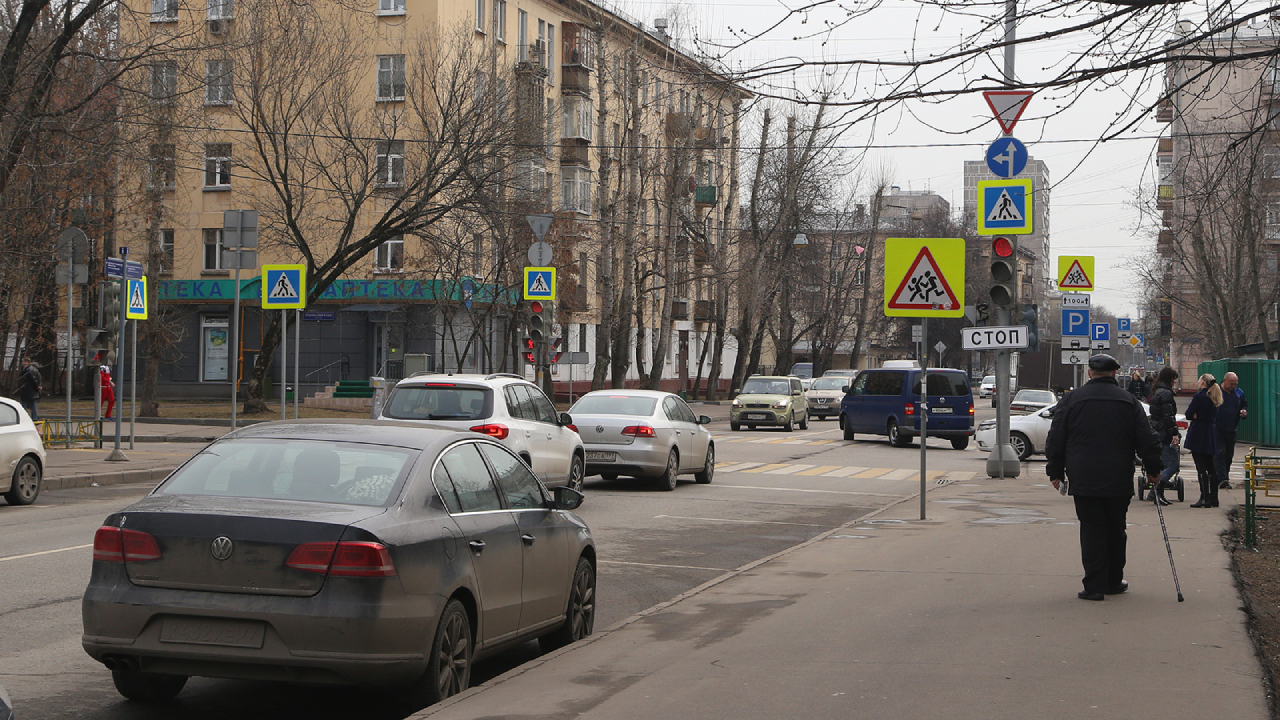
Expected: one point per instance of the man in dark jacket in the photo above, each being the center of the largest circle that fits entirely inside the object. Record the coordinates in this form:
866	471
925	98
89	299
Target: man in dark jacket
1095	432
1234	408
29	383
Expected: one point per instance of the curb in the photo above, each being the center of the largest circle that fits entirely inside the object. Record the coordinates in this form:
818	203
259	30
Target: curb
174	439
108	478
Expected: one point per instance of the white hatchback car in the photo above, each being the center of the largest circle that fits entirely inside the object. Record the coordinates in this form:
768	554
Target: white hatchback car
22	456
507	408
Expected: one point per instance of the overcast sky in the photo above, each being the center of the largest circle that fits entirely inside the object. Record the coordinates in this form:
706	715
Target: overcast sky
1095	187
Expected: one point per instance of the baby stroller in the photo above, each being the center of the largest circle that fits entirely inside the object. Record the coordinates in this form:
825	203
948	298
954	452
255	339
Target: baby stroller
1146	490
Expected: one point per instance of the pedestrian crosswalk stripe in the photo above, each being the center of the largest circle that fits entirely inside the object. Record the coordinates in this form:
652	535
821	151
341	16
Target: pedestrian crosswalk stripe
900	474
873	472
843	472
736	467
798	442
821	442
788	469
763	468
819	470
851	472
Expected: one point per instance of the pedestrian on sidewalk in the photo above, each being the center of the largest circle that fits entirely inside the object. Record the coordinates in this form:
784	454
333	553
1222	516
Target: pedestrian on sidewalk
1164	420
1138	386
108	387
1234	409
29	386
1096	431
1202	438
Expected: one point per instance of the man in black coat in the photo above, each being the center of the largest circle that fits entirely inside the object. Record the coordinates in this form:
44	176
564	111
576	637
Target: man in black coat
29	386
1095	432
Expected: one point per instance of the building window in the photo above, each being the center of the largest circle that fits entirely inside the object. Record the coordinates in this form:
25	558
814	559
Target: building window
576	117
522	36
217	82
546	43
164	10
551	124
477	254
212	249
389	163
480	15
161	168
390	77
221	10
215	340
166	250
217	165
389	256
575	189
390	7
481	83
164	81
500	20
860	276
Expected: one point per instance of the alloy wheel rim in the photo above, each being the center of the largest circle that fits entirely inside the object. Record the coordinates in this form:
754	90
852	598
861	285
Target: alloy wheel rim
27	480
583	605
711	462
576	474
453	657
1018	446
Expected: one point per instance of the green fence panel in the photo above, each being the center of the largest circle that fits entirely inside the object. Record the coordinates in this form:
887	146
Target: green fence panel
1260	380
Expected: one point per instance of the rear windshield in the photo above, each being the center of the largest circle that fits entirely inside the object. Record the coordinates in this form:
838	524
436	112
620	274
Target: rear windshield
829	383
944	384
313	470
757	386
439	401
1037	396
615	405
989	380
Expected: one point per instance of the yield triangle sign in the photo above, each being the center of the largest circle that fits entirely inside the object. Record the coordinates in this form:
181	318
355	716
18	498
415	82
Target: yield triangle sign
283	289
1007	105
1004	209
1076	278
924	287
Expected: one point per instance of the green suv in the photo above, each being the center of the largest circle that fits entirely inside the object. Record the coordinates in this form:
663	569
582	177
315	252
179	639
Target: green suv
770	400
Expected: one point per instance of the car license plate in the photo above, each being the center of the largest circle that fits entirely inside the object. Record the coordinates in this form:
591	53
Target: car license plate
756	416
212	631
601	456
940	410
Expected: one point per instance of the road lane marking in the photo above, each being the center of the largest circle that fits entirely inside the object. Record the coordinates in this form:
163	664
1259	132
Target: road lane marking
736	467
800	490
796	442
900	474
843	472
750	522
821	442
788	469
764	468
659	565
873	472
819	470
45	552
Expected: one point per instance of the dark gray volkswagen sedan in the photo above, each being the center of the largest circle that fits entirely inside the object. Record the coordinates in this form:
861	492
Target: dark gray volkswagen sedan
337	552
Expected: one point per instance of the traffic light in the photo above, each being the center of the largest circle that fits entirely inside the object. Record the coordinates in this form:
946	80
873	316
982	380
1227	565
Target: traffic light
1004	272
1031	319
556	351
529	351
541	317
111	318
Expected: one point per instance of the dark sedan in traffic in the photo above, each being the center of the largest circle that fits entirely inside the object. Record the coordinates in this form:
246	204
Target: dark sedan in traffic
348	552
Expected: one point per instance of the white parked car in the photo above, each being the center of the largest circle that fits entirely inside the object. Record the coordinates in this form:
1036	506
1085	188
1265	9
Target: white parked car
22	456
1029	433
646	434
507	408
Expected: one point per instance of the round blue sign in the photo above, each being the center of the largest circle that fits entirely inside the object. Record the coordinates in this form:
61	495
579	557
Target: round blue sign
1007	157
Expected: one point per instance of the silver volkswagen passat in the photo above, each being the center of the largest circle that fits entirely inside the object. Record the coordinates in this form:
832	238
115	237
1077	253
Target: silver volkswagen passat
646	434
347	552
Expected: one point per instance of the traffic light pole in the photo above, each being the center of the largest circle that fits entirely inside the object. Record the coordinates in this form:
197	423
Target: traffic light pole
117	455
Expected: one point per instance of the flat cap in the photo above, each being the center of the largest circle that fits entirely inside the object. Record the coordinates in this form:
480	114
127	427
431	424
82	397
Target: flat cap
1103	361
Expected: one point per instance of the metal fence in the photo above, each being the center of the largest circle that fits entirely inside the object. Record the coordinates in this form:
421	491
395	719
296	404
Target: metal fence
60	431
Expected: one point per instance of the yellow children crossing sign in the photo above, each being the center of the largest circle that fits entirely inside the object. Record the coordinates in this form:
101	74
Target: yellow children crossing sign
1075	272
924	277
284	287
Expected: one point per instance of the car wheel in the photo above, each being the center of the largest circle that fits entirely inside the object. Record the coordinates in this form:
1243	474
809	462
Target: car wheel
147	687
580	619
846	427
608	477
449	666
708	467
735	426
577	472
960	443
1021	445
26	483
895	435
667	480
789	425
804	425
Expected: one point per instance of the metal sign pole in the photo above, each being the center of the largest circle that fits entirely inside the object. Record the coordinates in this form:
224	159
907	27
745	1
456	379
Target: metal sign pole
133	385
924	410
117	455
234	354
297	357
71	272
284	361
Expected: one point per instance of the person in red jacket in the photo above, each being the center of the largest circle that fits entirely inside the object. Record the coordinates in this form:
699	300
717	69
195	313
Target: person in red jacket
108	387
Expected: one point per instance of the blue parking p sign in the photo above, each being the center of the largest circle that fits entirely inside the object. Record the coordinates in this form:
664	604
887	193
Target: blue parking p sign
1100	331
1123	324
1075	322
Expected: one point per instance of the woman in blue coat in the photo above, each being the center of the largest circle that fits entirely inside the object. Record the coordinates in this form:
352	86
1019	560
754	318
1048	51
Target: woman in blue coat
1202	438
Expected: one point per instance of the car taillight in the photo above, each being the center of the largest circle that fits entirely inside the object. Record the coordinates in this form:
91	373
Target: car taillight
1183	425
639	431
970	408
345	559
493	430
573	428
910	409
112	544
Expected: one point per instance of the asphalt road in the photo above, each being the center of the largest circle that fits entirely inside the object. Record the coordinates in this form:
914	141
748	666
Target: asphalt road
773	490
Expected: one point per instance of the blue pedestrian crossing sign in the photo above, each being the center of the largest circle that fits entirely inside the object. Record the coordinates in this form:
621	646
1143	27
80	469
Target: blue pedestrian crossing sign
1075	321
1007	157
136	308
1100	331
284	287
539	283
1004	207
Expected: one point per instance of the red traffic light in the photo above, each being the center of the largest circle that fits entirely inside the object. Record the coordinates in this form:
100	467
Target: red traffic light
1002	247
535	306
528	343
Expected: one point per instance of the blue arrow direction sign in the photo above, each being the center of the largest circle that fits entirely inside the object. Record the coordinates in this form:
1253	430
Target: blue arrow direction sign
1100	331
1075	322
1007	157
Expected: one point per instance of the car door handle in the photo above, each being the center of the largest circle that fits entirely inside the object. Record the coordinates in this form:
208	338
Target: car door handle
477	546
528	540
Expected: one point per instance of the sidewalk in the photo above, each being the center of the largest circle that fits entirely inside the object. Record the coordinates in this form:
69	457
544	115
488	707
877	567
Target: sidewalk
972	613
160	448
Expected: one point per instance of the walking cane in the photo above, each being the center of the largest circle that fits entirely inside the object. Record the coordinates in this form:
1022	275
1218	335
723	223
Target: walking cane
1168	549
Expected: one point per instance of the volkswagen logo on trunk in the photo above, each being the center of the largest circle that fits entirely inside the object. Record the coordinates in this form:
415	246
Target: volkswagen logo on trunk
221	548
599	428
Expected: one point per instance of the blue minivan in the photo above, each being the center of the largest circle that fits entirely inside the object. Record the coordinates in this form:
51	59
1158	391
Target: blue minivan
886	401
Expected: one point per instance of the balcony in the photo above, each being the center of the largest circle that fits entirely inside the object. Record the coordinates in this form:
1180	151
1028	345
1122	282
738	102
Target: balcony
703	310
531	60
678	125
1164	197
704	195
706	138
680	310
1164	111
578	56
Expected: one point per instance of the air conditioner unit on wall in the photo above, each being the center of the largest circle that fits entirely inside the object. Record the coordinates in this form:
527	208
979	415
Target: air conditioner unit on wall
219	27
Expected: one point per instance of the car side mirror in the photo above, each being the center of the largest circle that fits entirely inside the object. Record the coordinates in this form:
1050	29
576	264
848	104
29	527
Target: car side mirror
565	419
704	420
566	498
845	389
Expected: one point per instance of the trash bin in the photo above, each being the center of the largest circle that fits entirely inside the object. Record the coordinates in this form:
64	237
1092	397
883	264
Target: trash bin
684	395
288	392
